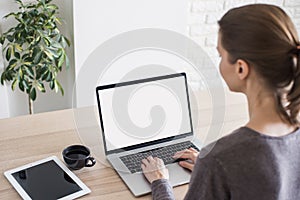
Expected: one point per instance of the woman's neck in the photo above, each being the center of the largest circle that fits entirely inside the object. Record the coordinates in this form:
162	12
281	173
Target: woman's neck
263	115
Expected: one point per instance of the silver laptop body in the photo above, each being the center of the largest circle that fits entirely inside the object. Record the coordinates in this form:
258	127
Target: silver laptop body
122	137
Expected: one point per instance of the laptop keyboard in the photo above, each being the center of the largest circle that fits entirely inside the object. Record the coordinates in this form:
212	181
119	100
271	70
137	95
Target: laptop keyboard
133	161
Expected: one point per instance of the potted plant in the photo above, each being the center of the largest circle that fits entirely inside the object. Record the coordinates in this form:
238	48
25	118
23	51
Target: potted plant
34	49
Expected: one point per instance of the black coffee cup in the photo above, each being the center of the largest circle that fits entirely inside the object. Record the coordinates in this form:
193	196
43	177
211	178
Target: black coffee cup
77	157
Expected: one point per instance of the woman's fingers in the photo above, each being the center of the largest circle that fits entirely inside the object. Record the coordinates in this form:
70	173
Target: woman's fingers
159	161
151	159
143	166
189	150
152	162
180	153
187	154
194	150
191	154
154	168
145	161
187	165
184	155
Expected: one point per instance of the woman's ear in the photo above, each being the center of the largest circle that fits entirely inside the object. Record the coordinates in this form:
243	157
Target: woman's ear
242	69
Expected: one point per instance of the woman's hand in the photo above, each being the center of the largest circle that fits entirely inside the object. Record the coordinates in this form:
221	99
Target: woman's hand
190	154
154	169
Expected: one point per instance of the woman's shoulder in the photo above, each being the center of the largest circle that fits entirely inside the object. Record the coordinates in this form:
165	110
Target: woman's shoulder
245	142
238	140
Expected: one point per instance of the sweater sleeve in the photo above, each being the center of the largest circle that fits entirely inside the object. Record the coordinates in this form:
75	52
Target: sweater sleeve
162	190
208	181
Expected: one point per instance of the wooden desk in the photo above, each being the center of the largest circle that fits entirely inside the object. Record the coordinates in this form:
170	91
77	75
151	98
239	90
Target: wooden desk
27	139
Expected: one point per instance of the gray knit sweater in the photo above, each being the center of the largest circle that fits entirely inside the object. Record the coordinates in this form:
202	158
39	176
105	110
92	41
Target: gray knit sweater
244	165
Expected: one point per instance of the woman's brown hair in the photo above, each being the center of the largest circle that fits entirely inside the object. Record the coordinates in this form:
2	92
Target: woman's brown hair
265	37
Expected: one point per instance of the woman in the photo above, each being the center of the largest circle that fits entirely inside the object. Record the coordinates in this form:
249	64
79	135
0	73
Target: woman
260	57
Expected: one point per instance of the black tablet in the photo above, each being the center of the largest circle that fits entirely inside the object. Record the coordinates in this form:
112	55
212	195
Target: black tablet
46	179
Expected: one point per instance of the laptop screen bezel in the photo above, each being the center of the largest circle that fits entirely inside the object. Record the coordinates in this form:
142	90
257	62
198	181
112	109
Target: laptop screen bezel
136	146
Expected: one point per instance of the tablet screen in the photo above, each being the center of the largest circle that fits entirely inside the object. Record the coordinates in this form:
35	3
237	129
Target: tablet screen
47	179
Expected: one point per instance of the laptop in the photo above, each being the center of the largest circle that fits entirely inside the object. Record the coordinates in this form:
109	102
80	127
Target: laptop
139	118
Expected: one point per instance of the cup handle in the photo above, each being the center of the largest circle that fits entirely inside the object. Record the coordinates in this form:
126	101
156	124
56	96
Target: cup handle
93	162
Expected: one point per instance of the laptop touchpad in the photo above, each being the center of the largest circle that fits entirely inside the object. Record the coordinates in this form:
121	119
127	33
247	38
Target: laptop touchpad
178	175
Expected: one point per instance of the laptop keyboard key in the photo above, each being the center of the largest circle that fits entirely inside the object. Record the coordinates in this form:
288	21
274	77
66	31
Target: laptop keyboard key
133	161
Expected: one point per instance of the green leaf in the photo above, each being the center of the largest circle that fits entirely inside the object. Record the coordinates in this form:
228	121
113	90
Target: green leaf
37	58
17	55
29	71
25	56
35	51
54	53
50	25
47	76
21	86
10	38
27	59
28	89
40	72
56	45
61	90
58	21
11	30
26	84
9	75
57	86
2	39
10	14
61	61
41	87
49	55
20	72
65	41
18	47
33	94
14	84
52	7
3	78
31	6
12	64
67	62
51	85
20	2
27	64
47	41
8	53
37	40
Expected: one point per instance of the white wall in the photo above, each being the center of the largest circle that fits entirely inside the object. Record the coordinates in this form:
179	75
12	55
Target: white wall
4	113
16	103
96	21
204	14
4	106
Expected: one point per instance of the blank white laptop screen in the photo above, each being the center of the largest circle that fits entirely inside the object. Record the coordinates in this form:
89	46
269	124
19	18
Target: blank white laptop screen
142	112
